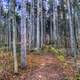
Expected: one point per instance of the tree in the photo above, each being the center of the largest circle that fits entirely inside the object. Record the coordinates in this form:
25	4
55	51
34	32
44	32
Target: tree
38	25
13	21
72	35
23	33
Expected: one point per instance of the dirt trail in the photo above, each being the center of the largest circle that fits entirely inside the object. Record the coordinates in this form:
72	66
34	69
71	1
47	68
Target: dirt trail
41	67
48	67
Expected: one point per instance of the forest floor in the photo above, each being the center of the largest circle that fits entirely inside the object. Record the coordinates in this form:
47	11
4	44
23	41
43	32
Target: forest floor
44	66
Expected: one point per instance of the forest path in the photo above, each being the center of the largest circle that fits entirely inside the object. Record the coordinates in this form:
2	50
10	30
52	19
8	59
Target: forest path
48	67
44	66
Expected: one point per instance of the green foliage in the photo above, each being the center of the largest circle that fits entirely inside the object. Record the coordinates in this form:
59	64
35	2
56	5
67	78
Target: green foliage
66	78
45	47
18	48
61	58
17	17
55	50
52	49
77	76
1	66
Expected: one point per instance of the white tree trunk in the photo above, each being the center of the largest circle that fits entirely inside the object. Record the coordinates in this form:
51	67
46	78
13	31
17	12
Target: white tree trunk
38	26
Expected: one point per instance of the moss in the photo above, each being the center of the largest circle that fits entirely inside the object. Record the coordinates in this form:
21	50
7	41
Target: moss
1	66
77	76
61	58
66	78
54	50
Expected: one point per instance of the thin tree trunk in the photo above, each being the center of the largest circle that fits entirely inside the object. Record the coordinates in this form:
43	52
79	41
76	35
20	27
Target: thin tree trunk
38	26
41	23
51	28
33	26
9	35
9	25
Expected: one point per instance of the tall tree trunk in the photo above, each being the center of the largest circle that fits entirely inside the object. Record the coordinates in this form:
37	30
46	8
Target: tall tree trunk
38	26
9	24
33	26
51	28
41	23
64	35
30	32
12	5
72	35
9	33
14	47
23	33
55	35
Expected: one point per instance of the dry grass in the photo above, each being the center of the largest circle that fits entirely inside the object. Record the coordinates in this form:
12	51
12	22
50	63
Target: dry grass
45	66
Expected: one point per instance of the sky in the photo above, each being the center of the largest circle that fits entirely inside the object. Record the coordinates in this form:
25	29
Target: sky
4	2
20	0
5	5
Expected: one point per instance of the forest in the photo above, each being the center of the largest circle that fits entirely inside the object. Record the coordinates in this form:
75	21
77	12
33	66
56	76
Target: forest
39	39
